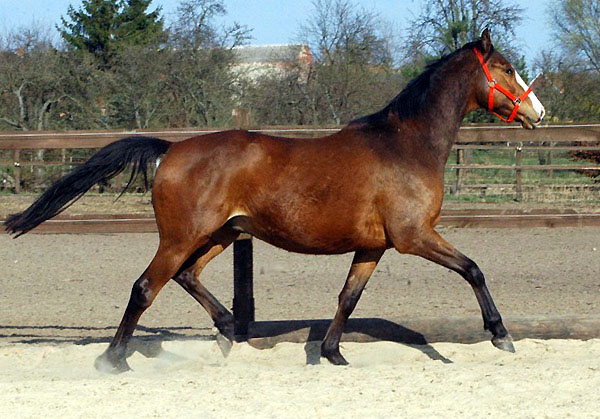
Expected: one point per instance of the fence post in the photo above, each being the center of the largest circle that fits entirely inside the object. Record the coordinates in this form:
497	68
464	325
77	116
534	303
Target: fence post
243	281
243	287
549	160
242	118
63	160
460	157
519	186
39	171
17	170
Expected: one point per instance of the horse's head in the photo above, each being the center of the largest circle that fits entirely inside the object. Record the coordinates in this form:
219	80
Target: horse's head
501	90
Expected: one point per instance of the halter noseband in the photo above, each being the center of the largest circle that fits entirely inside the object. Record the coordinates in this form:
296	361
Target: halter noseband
494	85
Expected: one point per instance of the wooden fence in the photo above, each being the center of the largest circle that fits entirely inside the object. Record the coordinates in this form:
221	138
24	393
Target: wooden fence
549	139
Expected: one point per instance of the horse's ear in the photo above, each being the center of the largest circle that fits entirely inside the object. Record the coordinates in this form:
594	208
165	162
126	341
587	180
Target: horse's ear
485	41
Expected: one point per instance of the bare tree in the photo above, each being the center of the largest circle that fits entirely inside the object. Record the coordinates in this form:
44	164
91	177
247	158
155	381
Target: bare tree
352	71
278	99
573	72
44	88
444	26
138	84
30	84
201	84
195	28
577	30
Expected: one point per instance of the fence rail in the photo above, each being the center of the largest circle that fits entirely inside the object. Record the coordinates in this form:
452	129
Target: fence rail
23	149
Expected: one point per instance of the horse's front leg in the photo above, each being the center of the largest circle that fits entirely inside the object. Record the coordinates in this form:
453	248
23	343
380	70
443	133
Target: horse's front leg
430	245
363	265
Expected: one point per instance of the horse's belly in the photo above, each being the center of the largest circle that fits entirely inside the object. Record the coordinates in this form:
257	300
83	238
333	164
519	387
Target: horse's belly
310	238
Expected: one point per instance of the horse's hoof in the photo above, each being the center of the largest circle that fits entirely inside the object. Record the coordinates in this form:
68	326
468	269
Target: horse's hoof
504	343
105	364
225	344
335	357
225	327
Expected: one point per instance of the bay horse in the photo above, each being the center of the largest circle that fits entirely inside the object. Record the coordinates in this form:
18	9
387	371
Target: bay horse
376	184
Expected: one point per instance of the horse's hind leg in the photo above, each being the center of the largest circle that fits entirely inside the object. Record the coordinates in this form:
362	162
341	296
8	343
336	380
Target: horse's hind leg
363	265
434	248
166	263
189	273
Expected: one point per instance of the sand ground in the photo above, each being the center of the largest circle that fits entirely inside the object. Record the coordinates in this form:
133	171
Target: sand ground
63	295
545	379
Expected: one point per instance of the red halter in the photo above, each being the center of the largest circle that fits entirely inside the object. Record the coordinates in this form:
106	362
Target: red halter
494	85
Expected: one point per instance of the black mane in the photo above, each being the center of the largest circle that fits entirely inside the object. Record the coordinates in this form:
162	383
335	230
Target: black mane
411	100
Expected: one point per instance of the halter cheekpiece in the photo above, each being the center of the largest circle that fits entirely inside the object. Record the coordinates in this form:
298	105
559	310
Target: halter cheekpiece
494	85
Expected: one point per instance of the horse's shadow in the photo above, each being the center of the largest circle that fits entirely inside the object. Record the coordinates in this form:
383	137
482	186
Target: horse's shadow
311	332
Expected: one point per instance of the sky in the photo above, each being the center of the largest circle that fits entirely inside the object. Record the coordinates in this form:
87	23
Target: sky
277	21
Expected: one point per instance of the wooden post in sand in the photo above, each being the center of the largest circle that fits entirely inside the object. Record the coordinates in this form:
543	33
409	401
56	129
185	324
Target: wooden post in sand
243	287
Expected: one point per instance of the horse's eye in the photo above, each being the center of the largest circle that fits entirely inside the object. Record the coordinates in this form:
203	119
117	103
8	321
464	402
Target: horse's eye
509	71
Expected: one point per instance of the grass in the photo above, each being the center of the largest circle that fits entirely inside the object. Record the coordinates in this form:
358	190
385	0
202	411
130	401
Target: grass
507	176
499	199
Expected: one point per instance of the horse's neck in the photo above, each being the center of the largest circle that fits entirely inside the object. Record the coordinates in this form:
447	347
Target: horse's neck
448	102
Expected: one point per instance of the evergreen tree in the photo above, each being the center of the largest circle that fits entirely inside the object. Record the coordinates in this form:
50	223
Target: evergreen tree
137	26
102	27
91	27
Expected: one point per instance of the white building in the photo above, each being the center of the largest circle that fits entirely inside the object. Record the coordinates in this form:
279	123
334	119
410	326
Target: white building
255	61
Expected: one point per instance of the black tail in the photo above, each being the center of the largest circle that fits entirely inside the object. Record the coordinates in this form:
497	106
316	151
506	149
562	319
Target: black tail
104	165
